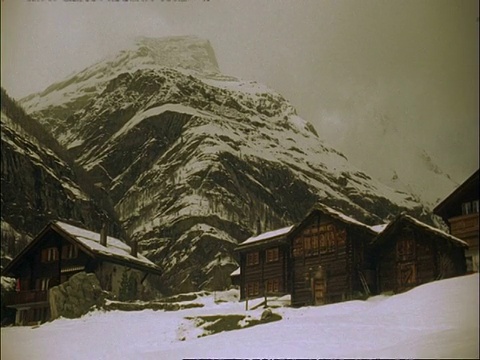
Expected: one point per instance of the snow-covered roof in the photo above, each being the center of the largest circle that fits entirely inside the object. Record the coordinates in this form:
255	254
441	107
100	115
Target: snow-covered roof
115	248
267	235
379	228
422	225
236	272
339	216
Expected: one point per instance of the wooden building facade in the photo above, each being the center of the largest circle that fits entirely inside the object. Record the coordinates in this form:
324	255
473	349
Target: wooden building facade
263	264
330	259
61	250
460	211
409	253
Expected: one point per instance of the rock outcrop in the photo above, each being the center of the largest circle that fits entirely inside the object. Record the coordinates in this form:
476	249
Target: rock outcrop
76	296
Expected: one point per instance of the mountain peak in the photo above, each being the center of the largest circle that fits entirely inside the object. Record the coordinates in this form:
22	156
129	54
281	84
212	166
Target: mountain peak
185	52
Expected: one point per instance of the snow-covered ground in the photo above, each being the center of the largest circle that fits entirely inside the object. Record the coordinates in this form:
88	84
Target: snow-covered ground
437	320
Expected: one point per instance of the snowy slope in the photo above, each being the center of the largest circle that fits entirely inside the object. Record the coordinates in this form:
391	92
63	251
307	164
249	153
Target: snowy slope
436	320
37	184
409	168
62	99
193	159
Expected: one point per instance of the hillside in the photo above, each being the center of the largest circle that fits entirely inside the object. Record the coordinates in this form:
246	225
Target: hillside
38	183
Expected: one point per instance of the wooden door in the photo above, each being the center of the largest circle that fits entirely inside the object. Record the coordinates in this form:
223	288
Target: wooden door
319	291
319	288
406	276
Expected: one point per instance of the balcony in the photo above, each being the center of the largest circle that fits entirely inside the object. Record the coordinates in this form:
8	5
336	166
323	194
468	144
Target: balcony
464	226
25	297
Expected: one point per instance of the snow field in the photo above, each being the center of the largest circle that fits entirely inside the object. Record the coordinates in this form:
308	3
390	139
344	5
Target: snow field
436	320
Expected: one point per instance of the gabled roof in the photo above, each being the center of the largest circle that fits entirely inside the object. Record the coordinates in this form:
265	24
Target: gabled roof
266	237
402	218
278	235
324	209
471	184
116	251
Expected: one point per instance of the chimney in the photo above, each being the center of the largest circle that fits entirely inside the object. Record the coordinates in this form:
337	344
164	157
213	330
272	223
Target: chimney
259	227
134	247
103	235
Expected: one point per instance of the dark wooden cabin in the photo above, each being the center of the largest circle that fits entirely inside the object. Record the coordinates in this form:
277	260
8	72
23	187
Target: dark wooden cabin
61	250
330	258
263	264
460	211
409	253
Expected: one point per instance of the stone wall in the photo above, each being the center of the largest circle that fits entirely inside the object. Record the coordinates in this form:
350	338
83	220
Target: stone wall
76	296
125	283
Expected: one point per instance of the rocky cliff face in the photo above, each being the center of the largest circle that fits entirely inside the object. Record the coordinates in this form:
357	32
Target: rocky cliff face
193	160
60	100
38	185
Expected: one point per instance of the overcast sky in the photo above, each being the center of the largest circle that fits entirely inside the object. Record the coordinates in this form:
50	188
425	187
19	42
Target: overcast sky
347	66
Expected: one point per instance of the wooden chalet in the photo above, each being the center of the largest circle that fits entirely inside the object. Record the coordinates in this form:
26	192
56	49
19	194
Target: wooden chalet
61	250
263	264
409	253
330	258
460	211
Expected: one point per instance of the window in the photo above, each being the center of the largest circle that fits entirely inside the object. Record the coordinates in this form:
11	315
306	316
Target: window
272	255
42	284
466	208
298	247
327	238
252	258
475	207
49	255
406	247
307	245
69	251
272	286
252	288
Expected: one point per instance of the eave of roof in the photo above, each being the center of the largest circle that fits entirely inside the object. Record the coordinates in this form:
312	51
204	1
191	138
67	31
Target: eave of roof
383	236
265	238
90	247
25	250
326	210
116	250
472	180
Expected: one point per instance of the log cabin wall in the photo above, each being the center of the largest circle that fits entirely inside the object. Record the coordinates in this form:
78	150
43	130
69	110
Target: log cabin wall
263	270
328	254
409	257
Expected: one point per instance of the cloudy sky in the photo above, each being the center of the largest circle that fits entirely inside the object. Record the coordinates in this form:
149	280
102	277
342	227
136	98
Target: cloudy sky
358	70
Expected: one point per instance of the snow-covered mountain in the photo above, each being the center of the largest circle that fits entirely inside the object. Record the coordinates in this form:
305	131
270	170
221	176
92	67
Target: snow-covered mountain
392	154
61	99
38	184
193	159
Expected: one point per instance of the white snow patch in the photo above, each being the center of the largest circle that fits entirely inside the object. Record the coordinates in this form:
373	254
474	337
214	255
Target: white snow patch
178	108
268	235
379	228
114	246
